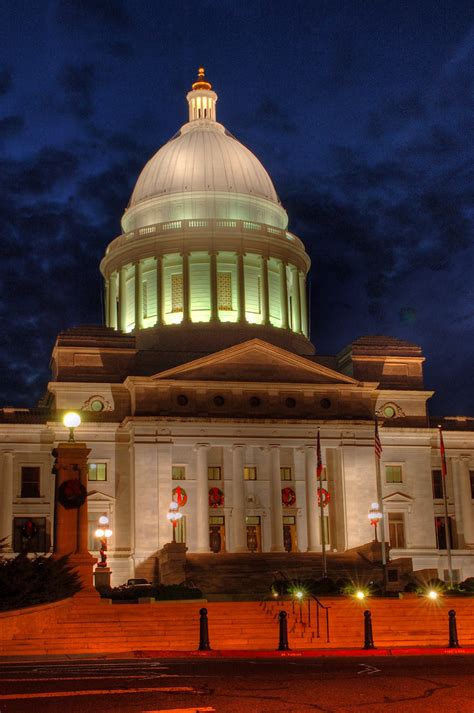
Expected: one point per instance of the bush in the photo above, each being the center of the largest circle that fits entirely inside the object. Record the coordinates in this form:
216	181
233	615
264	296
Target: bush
467	585
27	582
160	592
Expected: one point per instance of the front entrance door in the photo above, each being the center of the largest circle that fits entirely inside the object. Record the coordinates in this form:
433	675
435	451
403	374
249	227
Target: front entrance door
254	533
217	533
289	533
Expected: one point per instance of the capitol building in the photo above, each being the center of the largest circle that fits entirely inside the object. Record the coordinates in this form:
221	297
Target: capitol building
203	386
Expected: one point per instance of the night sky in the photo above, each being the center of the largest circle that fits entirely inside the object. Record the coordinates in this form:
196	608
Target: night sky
361	111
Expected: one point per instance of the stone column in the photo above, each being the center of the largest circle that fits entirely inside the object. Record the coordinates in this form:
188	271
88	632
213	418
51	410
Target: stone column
113	301
284	296
202	498
159	290
239	527
303	303
138	295
466	502
241	287
277	508
186	290
265	295
122	300
6	500
146	517
165	491
312	499
214	305
106	307
297	304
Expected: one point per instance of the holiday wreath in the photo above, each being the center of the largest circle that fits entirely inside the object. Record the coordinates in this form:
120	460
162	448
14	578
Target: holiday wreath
216	498
323	496
288	497
72	494
180	496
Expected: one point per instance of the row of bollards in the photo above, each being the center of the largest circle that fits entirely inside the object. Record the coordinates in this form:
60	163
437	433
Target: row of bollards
283	644
369	637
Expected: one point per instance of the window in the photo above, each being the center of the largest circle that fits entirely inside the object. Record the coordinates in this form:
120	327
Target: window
323	474
440	527
393	474
214	472
30	481
224	290
285	473
97	471
181	530
471	478
396	529
324	529
178	472
93	543
176	292
437	482
29	534
250	472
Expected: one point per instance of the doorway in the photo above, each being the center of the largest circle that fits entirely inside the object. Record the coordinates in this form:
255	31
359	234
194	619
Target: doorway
217	533
254	533
289	533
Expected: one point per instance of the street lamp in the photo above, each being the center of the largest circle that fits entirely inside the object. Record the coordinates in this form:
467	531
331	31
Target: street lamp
71	420
103	533
174	516
374	516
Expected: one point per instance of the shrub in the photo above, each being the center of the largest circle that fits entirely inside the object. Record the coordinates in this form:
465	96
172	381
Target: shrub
160	592
27	582
467	585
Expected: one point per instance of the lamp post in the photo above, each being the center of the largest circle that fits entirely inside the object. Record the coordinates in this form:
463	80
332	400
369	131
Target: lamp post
103	533
174	516
374	516
71	420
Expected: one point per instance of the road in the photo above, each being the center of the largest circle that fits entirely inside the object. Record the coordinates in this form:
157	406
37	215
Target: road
332	685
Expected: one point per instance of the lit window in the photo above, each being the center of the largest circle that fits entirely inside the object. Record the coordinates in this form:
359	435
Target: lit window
250	473
396	529
393	474
97	471
285	473
437	481
145	299
214	473
224	290
176	293
178	472
30	482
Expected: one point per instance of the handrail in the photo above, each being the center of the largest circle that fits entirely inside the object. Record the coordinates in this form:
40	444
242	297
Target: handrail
319	605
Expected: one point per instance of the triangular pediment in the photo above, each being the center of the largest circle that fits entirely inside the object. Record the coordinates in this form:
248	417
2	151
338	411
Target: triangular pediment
256	361
398	497
98	496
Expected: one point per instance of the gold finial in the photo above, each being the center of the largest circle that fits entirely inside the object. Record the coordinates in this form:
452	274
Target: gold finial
201	81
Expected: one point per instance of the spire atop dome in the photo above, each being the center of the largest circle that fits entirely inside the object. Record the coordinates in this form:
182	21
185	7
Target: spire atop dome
201	99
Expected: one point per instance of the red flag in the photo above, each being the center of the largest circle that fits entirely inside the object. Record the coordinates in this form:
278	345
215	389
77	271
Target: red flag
319	468
442	452
377	443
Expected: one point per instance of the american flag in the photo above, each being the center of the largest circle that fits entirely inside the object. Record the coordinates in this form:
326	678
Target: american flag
377	443
319	467
442	452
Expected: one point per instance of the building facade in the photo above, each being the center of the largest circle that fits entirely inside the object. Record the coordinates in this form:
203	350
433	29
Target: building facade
203	387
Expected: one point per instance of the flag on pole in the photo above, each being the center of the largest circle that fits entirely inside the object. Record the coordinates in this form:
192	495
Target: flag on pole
442	452
319	467
377	443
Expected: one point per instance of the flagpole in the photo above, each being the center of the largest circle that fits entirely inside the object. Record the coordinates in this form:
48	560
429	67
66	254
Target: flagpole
378	478
445	500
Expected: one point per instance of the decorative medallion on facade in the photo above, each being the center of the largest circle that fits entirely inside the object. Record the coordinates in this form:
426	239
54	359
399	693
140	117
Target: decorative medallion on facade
97	404
390	410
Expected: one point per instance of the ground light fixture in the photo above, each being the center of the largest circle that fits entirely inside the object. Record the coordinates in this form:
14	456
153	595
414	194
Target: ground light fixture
71	420
299	594
432	594
360	594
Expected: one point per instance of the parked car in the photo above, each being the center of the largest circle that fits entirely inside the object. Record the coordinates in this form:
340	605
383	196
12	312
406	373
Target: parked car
136	582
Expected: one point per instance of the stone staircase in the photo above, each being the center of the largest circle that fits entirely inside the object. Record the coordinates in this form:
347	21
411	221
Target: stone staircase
250	575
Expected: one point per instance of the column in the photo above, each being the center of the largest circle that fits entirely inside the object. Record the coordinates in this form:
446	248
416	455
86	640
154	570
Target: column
106	301
466	502
283	296
241	287
122	300
214	305
146	498
159	291
458	495
239	526
165	491
6	500
277	508
138	295
303	303
113	301
186	291
296	297
312	499
202	498
265	295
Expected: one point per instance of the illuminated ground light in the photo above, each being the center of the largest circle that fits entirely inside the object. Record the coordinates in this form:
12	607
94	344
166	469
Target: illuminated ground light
299	595
360	594
432	594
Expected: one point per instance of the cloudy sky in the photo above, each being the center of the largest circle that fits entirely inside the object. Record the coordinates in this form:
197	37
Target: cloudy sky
362	111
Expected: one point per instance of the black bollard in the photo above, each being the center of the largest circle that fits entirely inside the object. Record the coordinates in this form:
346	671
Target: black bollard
283	642
204	644
368	636
453	630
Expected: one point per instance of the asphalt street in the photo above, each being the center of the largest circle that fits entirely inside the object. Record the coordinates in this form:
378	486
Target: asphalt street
422	683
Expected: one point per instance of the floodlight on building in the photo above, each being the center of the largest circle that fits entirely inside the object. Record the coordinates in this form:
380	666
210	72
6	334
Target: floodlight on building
71	420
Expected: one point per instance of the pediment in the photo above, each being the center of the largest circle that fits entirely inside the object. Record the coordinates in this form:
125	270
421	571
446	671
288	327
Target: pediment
94	496
256	361
397	497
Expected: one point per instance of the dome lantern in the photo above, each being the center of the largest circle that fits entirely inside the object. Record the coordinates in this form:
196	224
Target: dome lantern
201	99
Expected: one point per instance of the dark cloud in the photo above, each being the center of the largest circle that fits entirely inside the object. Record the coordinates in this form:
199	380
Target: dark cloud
110	14
39	173
11	126
77	83
5	80
270	115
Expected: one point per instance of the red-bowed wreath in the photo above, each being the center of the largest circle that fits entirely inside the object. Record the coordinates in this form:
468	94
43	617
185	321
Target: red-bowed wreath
72	494
216	498
324	496
180	496
28	530
288	497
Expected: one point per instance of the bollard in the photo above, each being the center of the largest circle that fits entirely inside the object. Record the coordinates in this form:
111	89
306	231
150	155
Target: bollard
204	644
283	642
368	636
453	630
